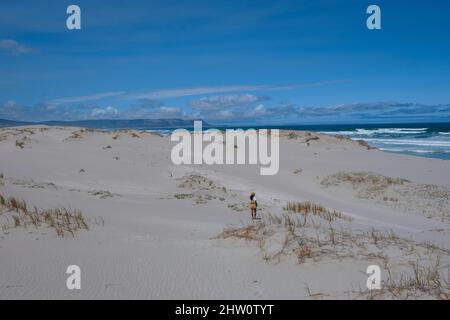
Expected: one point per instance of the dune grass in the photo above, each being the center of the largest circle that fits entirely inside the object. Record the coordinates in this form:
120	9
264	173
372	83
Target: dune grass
64	221
308	207
431	281
364	143
20	144
311	233
367	179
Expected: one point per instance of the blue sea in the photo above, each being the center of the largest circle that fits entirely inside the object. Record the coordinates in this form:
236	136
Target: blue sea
419	139
426	140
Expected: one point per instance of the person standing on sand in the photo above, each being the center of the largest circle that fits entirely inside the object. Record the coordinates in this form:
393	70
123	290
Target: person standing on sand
253	205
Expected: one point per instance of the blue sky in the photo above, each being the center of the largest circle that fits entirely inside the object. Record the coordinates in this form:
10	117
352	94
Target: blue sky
226	61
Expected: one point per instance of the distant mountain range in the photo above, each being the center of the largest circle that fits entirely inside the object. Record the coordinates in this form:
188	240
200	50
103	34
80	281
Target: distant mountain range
138	124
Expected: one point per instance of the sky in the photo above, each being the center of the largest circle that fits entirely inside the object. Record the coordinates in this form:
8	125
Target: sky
261	62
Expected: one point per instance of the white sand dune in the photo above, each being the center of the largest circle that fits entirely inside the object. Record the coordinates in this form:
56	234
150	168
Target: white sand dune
151	238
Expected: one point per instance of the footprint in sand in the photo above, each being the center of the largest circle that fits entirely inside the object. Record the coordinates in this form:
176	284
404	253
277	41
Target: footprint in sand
258	291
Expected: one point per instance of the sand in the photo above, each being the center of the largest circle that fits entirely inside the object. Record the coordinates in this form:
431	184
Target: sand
160	231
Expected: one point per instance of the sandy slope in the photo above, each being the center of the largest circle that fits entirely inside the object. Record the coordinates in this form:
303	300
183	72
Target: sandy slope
150	237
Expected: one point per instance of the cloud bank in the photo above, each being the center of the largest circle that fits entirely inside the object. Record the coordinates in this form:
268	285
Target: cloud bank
229	108
43	112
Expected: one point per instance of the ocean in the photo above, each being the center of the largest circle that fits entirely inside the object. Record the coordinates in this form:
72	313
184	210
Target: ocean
430	140
425	140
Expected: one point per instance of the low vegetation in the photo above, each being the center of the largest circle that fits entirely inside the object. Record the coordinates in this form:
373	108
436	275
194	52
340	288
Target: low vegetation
101	194
358	179
201	189
310	137
310	233
118	133
20	144
342	137
306	137
419	283
76	135
293	135
306	208
15	213
432	201
364	143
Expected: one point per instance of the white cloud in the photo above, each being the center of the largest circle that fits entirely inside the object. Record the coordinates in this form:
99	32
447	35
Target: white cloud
261	110
219	102
156	94
108	111
9	104
185	92
169	109
13	47
225	114
92	97
255	111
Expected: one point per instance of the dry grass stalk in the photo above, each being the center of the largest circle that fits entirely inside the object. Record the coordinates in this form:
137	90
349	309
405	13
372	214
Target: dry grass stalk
62	220
306	208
